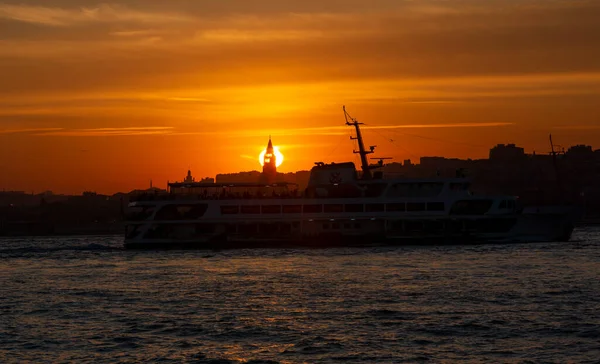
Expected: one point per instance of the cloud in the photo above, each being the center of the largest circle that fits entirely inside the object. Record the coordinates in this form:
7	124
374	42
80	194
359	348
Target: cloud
188	99
258	63
340	130
450	125
240	36
577	127
94	132
104	13
136	33
247	133
132	128
297	101
447	39
334	130
28	130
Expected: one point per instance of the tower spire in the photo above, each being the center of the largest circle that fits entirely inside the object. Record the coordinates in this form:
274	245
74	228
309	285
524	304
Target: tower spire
270	163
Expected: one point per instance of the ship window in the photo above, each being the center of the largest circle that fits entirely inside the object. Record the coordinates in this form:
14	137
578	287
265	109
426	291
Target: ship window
312	208
471	207
334	208
205	228
375	207
250	209
459	186
433	226
435	206
354	207
502	204
422	189
271	209
400	206
292	209
181	212
248	228
286	228
415	206
196	211
167	212
374	190
230	210
138	213
413	226
397	226
268	228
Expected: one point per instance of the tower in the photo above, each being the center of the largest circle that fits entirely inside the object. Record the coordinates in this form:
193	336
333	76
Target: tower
189	178
269	163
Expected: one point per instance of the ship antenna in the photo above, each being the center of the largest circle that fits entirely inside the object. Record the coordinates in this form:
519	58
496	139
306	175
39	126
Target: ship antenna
350	121
555	164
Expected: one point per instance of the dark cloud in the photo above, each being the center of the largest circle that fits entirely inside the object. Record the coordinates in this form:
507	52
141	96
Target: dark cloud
417	39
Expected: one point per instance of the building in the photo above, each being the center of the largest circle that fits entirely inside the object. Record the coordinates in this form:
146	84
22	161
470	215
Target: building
507	153
580	153
239	177
189	178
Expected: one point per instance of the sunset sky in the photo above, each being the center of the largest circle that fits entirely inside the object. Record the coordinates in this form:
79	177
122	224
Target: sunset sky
106	96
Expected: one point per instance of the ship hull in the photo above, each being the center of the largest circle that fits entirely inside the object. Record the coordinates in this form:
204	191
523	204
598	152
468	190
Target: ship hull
525	228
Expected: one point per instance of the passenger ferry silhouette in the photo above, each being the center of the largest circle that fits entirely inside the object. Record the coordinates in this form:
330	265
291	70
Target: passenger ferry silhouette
340	207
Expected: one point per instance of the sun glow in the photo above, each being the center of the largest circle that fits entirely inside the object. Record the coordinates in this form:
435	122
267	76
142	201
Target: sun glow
278	156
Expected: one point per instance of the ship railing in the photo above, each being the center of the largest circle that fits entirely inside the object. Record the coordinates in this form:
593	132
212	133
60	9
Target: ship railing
182	196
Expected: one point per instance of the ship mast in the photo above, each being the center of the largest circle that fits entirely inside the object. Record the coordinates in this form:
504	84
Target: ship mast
555	164
350	121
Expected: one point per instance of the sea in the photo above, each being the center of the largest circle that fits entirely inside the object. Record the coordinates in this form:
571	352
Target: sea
86	299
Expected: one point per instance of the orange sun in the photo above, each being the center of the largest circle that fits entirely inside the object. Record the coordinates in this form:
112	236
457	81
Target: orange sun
278	156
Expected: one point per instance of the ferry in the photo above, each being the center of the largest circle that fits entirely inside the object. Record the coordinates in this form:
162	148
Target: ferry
341	207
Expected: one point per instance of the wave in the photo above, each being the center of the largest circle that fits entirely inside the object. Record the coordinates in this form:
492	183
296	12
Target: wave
91	247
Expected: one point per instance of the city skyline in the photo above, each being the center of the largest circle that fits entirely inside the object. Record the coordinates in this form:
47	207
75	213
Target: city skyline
107	96
499	155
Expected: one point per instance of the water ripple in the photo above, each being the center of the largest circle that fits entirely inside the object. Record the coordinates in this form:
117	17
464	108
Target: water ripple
86	299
